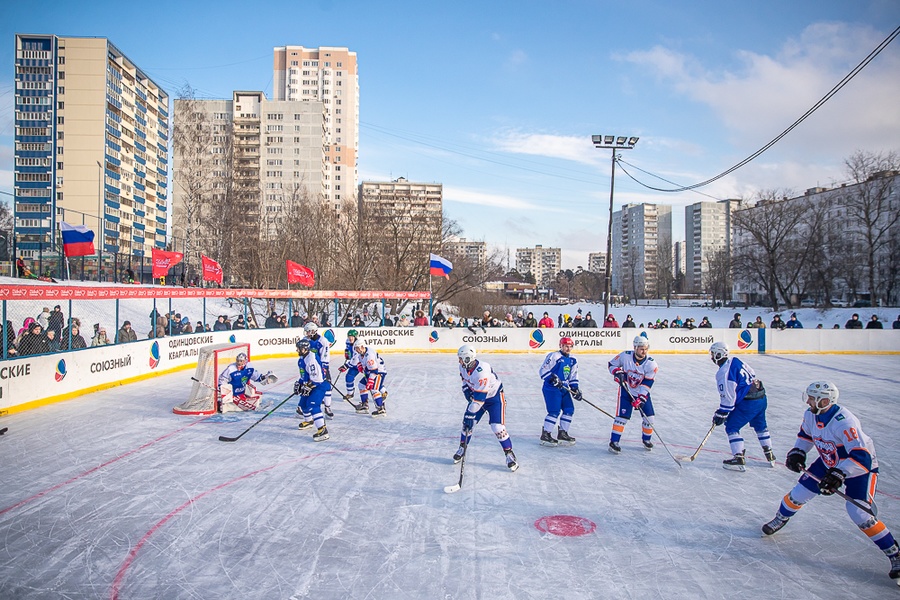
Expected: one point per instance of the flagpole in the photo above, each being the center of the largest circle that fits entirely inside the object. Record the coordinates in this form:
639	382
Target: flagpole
430	298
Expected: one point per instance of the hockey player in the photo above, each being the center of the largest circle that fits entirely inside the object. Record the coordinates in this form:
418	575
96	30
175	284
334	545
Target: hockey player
350	374
484	391
635	370
742	400
846	458
233	385
310	386
365	360
321	348
559	371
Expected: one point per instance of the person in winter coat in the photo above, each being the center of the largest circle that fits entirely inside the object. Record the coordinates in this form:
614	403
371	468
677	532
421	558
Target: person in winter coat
735	322
530	321
100	338
33	341
777	323
611	322
704	323
77	341
874	323
793	323
853	322
589	321
546	321
629	322
126	333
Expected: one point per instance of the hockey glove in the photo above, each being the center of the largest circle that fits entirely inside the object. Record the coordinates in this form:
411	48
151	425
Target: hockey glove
638	402
298	386
620	376
554	380
719	417
342	369
576	394
370	384
795	460
832	481
269	378
467	392
361	368
468	421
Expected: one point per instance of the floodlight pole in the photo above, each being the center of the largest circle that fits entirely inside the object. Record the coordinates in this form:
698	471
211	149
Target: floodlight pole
613	143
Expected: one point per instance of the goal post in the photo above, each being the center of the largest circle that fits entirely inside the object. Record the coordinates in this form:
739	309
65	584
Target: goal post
211	361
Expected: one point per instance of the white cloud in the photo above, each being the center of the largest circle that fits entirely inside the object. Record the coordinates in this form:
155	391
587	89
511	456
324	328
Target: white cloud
567	147
769	92
453	194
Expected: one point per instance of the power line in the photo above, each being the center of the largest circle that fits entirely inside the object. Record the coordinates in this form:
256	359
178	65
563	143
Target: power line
847	78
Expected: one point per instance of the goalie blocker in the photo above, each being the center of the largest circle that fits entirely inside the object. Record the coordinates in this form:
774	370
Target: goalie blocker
208	396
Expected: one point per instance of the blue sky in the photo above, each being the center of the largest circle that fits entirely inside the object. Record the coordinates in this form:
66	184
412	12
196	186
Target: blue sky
498	100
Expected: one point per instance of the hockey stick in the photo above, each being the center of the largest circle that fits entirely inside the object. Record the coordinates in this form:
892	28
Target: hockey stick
583	399
644	416
225	438
343	395
452	489
852	501
697	451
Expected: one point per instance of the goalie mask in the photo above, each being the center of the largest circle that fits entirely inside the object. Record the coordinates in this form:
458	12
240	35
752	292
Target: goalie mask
820	396
241	359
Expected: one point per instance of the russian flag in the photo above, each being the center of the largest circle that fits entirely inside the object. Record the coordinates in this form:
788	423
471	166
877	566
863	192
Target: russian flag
78	240
440	267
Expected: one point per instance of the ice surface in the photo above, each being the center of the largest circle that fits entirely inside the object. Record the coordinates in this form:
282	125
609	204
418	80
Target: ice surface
113	496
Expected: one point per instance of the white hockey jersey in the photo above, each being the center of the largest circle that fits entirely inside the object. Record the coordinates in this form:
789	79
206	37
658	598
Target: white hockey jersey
640	375
371	362
840	440
482	380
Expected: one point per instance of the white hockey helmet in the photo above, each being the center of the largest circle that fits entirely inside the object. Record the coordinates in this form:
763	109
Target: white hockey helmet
311	329
241	358
641	341
718	351
466	354
824	393
359	346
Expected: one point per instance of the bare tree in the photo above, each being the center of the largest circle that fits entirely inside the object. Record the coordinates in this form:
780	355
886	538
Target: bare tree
717	278
869	204
665	267
775	244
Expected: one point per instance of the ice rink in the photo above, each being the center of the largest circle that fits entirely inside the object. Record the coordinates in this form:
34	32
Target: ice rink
113	496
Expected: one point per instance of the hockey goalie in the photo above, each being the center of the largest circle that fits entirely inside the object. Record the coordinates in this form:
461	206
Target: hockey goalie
236	389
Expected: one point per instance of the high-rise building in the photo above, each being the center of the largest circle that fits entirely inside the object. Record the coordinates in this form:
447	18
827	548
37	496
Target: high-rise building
678	265
91	147
328	75
707	230
267	154
471	251
406	211
639	231
597	262
542	263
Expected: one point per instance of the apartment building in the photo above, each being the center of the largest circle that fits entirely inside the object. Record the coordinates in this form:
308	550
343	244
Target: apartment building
91	147
543	263
707	230
405	210
468	250
597	262
328	75
259	155
640	233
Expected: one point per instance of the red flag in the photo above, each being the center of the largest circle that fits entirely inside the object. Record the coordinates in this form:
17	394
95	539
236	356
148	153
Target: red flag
163	261
297	273
211	270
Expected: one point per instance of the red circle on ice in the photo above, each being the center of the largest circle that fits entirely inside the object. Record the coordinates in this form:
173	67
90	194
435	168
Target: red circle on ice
565	525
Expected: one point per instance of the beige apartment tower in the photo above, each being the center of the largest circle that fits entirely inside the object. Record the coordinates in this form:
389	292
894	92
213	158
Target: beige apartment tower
328	75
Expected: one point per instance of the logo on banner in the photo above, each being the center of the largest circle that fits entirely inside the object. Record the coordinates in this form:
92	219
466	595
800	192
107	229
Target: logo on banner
154	355
745	340
537	339
232	339
433	337
60	370
329	335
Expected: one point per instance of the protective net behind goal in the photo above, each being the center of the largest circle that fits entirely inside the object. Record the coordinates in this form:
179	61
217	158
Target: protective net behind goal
211	361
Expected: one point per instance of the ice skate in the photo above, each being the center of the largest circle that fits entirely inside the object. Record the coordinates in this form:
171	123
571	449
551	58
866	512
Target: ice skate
305	425
511	461
775	524
614	448
770	456
564	438
895	564
328	412
363	407
547	439
459	453
379	411
321	435
648	445
736	463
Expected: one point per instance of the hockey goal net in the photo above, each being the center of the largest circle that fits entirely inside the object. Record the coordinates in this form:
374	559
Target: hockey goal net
210	364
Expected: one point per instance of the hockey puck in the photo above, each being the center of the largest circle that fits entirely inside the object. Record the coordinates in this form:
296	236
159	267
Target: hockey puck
565	525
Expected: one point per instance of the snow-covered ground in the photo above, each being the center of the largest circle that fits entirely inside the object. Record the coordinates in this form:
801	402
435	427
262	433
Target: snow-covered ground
112	496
